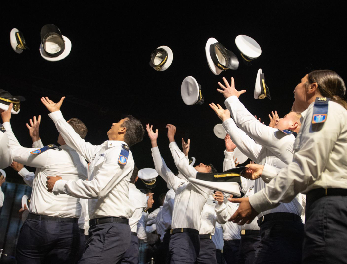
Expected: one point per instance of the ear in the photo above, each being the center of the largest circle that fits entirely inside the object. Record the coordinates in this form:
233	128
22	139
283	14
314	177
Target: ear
122	130
295	126
313	88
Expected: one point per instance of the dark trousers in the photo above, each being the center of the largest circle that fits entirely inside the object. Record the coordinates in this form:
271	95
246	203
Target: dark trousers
207	253
107	243
82	245
325	230
48	242
281	241
248	246
219	256
231	251
162	250
131	256
184	248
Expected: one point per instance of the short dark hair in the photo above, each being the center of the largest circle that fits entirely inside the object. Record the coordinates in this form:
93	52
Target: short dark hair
162	198
134	176
213	169
79	127
135	131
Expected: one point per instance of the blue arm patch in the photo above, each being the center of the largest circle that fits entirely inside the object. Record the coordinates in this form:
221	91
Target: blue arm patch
123	156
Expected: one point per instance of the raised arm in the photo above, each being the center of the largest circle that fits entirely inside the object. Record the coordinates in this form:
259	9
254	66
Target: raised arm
71	138
28	176
228	162
159	163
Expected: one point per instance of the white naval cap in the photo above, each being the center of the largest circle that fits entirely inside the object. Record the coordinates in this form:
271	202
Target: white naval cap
148	176
6	99
249	48
54	46
2	172
261	90
219	58
17	41
161	58
191	91
220	132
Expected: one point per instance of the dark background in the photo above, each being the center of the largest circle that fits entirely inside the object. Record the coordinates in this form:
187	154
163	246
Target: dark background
107	73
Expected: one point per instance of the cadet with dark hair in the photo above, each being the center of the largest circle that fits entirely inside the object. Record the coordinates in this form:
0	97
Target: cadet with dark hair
110	170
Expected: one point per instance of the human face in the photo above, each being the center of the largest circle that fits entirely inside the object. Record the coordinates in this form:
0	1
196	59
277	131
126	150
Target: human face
115	129
289	121
203	168
150	201
300	95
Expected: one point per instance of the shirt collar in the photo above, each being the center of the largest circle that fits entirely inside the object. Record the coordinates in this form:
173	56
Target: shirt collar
114	143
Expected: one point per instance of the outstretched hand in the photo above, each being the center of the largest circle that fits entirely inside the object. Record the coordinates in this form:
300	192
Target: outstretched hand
6	115
153	136
186	147
229	144
50	105
245	213
223	114
274	119
33	126
253	171
171	131
229	89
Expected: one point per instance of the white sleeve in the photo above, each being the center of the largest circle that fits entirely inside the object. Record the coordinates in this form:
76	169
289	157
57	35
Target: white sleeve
21	154
108	176
38	144
244	143
280	144
2	198
28	176
71	138
163	170
182	162
269	172
225	211
228	162
5	153
308	163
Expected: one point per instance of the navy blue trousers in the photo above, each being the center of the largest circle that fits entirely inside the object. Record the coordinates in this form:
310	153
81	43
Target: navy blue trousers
48	242
219	257
231	251
325	230
131	256
207	253
281	242
248	246
184	248
107	243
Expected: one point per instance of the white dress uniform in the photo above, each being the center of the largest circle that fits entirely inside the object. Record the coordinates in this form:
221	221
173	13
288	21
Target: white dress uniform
264	144
319	169
189	202
5	155
164	217
107	190
139	202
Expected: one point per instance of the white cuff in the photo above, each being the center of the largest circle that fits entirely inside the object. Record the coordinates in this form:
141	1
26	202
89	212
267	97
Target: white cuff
269	172
23	172
55	116
260	202
59	186
7	126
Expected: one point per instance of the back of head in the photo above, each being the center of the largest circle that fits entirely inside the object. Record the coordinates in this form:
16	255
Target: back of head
79	127
162	198
330	85
134	130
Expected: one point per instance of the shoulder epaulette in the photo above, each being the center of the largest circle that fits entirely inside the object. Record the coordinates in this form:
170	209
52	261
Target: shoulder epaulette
123	156
45	148
320	110
232	175
2	129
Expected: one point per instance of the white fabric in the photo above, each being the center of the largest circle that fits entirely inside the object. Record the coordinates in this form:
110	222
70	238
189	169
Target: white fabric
2	198
318	162
141	227
65	163
139	202
5	154
208	218
108	186
189	199
164	217
262	144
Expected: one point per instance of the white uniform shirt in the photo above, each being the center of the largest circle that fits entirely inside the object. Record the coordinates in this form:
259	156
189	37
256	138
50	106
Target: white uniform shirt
139	202
217	237
151	221
141	227
65	163
2	197
5	154
319	160
164	217
190	198
108	185
262	144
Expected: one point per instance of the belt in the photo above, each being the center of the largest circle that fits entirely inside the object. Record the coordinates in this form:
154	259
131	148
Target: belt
110	219
134	233
316	194
52	218
250	232
184	230
280	217
205	236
